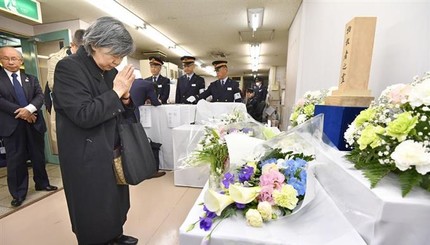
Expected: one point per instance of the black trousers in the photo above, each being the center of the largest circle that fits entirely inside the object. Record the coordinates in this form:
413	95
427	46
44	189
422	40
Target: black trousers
25	143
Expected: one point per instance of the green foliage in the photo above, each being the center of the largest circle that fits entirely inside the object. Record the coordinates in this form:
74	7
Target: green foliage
278	154
375	172
409	179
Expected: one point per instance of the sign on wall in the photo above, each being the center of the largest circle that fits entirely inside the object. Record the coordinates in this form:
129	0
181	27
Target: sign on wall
28	9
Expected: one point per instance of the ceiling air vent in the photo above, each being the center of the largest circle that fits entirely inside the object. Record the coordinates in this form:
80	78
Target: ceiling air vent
156	53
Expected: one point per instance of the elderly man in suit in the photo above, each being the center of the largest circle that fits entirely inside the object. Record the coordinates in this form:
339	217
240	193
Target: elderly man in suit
224	89
190	84
162	84
22	126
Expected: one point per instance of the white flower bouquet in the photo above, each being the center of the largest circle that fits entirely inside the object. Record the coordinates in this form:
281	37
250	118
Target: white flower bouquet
304	109
392	135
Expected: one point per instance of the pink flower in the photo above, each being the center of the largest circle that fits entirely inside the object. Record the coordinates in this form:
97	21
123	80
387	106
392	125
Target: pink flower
272	178
397	93
300	102
266	194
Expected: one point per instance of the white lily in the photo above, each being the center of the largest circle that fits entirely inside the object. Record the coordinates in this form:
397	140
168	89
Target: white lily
242	194
216	202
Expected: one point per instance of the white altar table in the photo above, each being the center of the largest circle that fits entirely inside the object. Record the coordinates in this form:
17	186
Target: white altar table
159	122
320	222
381	215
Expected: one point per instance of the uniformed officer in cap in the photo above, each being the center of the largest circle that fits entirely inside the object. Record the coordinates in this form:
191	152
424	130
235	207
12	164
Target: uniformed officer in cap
224	89
190	84
161	84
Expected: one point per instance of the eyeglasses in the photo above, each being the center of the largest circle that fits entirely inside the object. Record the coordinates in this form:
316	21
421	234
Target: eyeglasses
13	59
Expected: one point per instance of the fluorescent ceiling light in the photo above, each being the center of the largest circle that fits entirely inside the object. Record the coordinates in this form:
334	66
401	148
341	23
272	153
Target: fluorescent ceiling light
120	12
255	18
254	49
156	36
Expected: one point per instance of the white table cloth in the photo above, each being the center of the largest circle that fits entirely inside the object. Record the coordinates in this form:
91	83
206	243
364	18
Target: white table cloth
320	222
159	121
381	215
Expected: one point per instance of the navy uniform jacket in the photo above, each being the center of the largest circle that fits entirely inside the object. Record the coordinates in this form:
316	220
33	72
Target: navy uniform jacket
260	93
230	92
140	91
9	102
185	89
162	88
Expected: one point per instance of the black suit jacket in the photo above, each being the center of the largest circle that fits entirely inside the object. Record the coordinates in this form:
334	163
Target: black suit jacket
230	92
162	88
140	91
9	102
260	93
185	89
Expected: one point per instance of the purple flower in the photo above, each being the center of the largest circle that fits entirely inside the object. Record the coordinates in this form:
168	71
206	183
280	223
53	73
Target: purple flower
245	173
228	179
240	205
205	223
247	130
209	214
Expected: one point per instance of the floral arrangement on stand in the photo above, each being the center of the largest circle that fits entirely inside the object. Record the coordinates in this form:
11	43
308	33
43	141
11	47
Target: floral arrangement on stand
304	109
212	148
393	136
262	190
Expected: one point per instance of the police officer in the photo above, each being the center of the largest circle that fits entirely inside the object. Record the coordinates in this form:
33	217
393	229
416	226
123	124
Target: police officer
161	84
190	84
260	91
224	89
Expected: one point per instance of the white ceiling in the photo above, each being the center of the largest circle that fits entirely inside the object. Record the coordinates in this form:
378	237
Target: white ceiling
208	29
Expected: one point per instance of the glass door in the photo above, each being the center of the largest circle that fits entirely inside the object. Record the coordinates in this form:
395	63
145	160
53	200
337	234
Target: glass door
36	51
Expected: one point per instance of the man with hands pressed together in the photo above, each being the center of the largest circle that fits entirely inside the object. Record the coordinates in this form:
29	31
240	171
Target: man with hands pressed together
22	126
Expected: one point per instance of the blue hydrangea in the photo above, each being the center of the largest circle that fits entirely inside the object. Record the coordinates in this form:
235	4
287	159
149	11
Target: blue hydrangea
299	185
294	166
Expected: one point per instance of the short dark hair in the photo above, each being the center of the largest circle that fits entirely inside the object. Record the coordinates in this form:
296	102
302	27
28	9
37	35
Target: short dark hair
78	37
249	90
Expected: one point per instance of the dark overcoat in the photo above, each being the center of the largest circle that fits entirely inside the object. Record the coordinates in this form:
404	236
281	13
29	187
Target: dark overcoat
87	111
185	89
229	92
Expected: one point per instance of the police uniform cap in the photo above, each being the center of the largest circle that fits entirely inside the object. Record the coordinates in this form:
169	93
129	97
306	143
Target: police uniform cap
155	61
219	63
188	60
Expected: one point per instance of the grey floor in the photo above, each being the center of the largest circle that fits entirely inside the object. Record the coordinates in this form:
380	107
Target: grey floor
158	208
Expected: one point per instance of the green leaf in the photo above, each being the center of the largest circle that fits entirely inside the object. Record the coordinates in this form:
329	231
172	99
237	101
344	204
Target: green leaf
376	172
409	179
